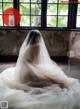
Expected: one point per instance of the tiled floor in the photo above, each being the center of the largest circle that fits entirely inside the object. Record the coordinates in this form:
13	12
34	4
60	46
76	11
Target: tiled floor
71	69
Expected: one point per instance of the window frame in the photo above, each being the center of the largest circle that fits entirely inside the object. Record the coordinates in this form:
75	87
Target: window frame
72	16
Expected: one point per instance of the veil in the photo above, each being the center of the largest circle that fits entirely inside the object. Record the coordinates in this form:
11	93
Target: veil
34	63
44	57
35	66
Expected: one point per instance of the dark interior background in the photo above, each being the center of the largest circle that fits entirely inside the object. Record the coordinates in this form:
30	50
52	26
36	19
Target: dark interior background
57	42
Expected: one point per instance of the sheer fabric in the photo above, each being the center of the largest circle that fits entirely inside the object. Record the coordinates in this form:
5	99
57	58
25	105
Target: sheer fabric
21	85
34	62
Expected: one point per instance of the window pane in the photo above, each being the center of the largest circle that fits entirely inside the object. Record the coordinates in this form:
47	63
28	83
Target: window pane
36	9
25	21
39	1
5	16
31	10
36	21
25	9
63	9
78	11
24	0
78	21
51	9
51	21
78	16
62	21
52	1
0	8
0	0
7	0
1	21
7	5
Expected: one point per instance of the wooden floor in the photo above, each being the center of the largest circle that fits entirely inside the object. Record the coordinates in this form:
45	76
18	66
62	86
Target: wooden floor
71	69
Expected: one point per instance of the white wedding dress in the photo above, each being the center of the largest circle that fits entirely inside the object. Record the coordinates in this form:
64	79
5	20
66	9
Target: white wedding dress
37	82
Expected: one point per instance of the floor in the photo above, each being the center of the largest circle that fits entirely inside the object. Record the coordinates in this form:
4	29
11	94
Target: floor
72	68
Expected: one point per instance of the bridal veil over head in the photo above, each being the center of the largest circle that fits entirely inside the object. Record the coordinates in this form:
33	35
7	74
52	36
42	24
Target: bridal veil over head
34	41
34	62
34	65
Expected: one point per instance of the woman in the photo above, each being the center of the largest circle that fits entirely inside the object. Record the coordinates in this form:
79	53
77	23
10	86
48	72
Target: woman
35	73
34	66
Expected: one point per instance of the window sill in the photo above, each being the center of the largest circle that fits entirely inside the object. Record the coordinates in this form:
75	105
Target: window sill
40	28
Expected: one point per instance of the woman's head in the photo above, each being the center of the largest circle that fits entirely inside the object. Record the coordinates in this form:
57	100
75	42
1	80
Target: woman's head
33	37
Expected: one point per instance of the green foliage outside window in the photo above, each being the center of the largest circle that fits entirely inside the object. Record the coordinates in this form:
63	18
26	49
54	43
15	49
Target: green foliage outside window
30	10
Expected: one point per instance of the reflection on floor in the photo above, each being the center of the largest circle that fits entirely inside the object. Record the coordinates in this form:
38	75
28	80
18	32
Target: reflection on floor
72	68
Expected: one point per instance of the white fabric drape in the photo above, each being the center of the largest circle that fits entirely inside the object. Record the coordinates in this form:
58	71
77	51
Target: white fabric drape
34	64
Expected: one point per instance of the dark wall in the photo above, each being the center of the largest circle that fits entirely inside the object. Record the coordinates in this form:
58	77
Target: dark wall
57	42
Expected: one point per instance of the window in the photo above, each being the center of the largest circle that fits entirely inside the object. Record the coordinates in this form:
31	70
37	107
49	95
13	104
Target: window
44	14
4	4
30	13
78	16
33	13
57	13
